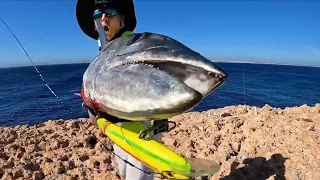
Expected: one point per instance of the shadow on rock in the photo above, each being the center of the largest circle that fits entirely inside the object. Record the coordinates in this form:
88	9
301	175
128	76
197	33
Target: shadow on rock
258	168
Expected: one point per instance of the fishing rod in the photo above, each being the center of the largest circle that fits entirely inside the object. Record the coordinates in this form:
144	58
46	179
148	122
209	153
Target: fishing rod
85	127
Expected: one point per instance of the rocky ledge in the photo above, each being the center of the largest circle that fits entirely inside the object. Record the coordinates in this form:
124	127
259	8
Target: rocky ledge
248	142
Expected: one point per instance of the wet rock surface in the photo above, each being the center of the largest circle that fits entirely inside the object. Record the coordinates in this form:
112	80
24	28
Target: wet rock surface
248	142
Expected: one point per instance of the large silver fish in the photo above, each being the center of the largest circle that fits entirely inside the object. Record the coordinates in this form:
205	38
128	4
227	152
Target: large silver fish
147	76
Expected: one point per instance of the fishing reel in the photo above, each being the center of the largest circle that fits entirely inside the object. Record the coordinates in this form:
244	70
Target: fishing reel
159	126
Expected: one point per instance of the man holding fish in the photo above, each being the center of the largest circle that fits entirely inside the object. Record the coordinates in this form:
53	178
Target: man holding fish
118	19
141	77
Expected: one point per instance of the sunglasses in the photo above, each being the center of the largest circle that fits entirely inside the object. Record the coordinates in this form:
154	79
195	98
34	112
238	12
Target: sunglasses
110	12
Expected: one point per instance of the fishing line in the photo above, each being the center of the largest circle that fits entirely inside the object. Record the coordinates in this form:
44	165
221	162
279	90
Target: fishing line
86	127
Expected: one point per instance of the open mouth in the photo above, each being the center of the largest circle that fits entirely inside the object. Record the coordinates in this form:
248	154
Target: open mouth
197	78
105	28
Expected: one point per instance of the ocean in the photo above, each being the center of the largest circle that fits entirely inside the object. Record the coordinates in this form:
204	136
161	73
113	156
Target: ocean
26	100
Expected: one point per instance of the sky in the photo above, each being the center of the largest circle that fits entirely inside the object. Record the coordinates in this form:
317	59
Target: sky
272	31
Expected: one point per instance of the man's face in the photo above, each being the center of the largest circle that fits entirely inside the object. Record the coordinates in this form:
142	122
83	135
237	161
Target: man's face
111	21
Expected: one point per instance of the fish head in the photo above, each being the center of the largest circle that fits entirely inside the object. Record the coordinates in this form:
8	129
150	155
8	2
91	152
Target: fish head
150	76
171	56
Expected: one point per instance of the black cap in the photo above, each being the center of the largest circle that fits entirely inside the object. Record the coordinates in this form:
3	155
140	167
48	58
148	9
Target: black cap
85	9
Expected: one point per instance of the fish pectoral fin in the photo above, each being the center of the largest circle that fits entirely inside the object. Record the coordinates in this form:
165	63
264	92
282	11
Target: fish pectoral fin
78	94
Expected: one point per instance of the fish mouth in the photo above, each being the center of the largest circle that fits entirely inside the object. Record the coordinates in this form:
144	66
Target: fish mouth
203	79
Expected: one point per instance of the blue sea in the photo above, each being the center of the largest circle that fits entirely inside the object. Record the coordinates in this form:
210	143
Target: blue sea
25	99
